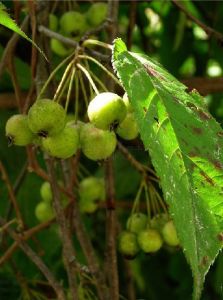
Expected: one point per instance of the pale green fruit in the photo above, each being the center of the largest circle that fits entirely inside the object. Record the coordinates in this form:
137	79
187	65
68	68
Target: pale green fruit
106	110
18	132
88	207
92	189
64	144
128	128
127	103
46	117
137	222
170	234
53	22
58	48
128	245
73	23
97	13
97	144
158	221
46	192
149	240
44	211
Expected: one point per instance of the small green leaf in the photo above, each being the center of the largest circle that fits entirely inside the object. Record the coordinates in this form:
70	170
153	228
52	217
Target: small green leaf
6	21
186	147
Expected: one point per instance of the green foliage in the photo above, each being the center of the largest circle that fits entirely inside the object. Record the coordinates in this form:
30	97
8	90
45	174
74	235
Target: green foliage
185	144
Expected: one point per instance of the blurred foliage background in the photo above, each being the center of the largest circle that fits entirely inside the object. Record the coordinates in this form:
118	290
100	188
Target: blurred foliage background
164	32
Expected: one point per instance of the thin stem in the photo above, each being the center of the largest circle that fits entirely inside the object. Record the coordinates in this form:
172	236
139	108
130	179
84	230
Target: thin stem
83	88
76	99
70	88
102	67
52	75
87	74
97	43
95	77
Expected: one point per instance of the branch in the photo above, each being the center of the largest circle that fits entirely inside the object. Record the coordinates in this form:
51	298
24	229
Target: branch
210	31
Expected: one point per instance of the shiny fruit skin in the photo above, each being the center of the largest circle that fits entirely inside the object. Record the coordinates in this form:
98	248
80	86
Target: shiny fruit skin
128	245
128	128
137	222
97	13
169	234
46	192
106	109
44	211
46	117
64	144
97	144
149	240
17	130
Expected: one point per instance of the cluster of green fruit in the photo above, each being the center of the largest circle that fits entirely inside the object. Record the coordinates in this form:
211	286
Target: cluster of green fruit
147	236
91	193
74	24
46	126
44	210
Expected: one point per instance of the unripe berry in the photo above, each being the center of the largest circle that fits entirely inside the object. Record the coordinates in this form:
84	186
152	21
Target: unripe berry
64	144
58	48
149	240
88	207
73	23
46	192
17	131
106	110
46	117
137	222
97	144
128	128
44	211
53	22
127	103
128	245
158	221
92	189
97	13
170	235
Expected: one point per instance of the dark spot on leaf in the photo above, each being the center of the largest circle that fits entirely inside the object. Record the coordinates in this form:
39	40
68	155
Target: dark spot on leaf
204	261
203	115
192	154
176	100
220	133
156	119
153	72
191	105
197	130
220	237
217	164
145	109
207	178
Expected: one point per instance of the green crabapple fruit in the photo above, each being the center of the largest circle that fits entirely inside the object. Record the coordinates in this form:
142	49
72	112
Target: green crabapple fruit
73	23
44	211
46	117
97	144
149	240
170	235
64	144
97	13
53	22
92	189
158	221
127	103
128	128
106	109
137	222
17	131
128	245
46	192
88	206
58	48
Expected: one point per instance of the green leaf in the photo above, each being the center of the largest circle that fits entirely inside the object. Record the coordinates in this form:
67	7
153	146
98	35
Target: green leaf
6	21
186	148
